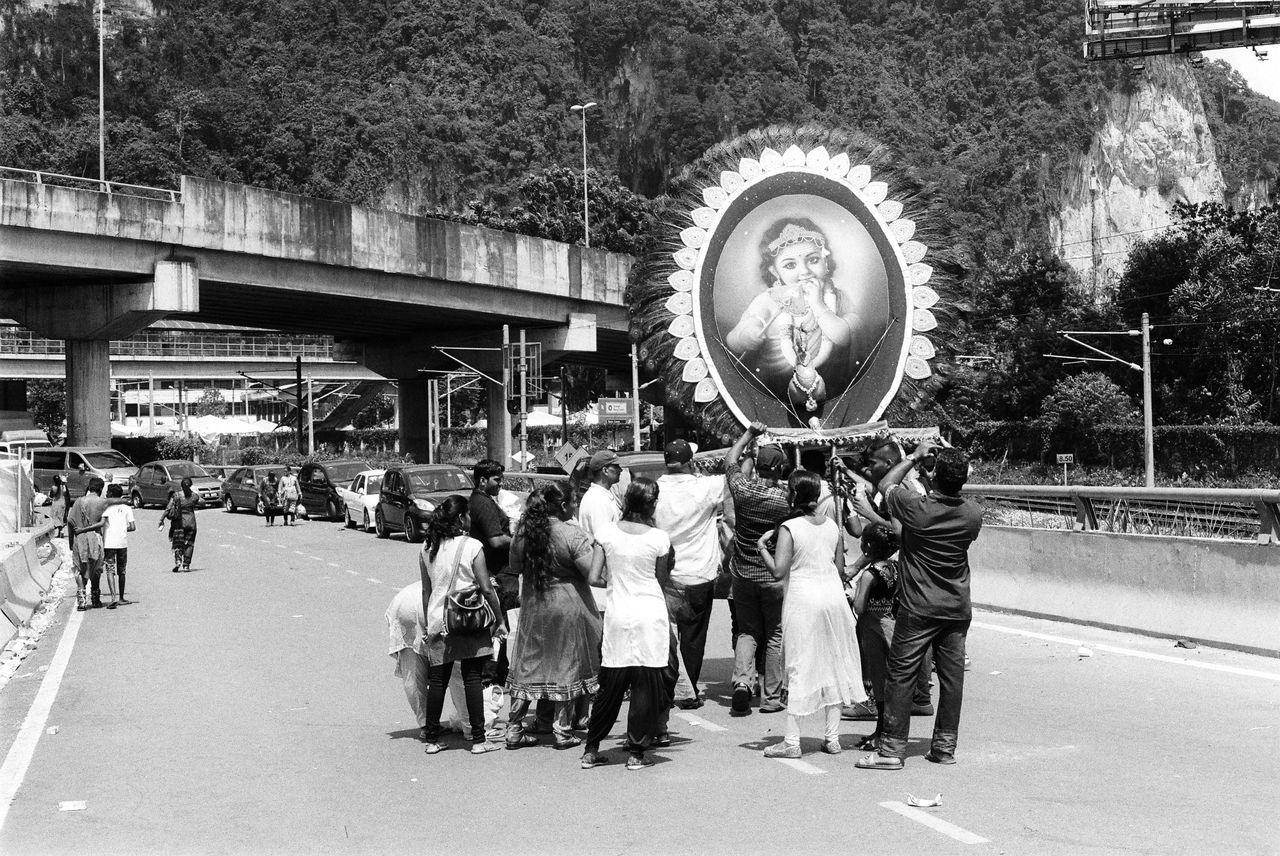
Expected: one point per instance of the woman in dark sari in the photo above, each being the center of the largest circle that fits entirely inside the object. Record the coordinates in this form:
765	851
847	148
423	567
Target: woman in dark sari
181	514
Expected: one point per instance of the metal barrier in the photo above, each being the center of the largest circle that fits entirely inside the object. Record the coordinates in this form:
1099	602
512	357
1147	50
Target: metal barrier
78	182
1218	513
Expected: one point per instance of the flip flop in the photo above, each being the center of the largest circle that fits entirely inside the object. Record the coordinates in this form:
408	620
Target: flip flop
878	762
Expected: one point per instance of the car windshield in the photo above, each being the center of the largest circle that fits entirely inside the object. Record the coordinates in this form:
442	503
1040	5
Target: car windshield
374	484
344	473
187	470
437	480
106	460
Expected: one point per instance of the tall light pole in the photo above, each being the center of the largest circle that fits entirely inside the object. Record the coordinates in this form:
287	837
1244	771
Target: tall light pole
581	109
102	124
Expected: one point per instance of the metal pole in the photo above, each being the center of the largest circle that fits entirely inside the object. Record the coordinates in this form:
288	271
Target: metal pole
297	368
151	403
564	410
1148	433
506	392
182	406
433	408
448	400
311	420
635	399
524	402
586	215
102	124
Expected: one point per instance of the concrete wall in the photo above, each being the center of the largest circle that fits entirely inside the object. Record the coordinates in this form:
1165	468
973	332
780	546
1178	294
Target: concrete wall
1219	592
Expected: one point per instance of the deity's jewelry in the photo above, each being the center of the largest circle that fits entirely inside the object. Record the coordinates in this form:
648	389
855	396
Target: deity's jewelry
794	234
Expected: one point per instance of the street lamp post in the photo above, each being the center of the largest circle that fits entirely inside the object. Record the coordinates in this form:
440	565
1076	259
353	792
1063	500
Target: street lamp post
102	125
581	109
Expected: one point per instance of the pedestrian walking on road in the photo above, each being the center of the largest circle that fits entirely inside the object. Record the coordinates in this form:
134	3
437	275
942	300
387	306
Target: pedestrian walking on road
450	561
637	633
555	654
84	531
118	523
269	490
934	609
58	503
290	492
181	514
760	504
818	631
689	510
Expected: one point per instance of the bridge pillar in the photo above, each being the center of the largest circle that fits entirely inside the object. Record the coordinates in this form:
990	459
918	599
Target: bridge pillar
415	418
88	316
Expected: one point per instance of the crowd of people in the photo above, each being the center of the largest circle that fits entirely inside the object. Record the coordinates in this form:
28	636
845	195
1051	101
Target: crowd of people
847	586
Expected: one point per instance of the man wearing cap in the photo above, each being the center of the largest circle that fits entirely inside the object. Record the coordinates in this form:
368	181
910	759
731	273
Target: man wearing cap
760	504
688	510
599	506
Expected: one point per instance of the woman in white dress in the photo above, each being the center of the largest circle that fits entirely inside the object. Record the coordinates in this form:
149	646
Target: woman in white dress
637	634
819	636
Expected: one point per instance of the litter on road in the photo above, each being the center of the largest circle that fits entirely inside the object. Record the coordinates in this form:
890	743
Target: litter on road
924	802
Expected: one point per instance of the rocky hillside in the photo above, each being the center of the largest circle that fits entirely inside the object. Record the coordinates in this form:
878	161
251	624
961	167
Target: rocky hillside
432	106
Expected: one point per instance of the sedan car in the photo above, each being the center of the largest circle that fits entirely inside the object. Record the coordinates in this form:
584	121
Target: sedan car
320	481
360	499
240	489
409	495
153	483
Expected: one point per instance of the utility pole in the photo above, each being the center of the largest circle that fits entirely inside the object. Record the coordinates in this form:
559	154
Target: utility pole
311	422
102	121
506	393
524	403
564	410
297	368
1148	432
635	399
433	410
151	403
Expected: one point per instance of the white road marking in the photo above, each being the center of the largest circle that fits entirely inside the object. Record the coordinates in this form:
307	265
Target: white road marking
333	564
698	721
300	553
316	558
960	834
375	582
283	546
353	573
18	760
803	766
1129	652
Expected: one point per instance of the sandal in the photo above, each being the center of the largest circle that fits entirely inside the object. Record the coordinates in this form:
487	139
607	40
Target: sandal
877	761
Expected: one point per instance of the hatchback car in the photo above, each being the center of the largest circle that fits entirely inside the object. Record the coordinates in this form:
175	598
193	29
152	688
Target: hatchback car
153	483
78	464
240	489
320	481
360	499
409	495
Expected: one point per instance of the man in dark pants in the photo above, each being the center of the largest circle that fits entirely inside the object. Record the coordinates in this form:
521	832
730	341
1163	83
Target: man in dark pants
936	530
490	526
760	504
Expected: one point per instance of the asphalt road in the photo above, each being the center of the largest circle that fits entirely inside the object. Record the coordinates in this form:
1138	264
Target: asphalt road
249	707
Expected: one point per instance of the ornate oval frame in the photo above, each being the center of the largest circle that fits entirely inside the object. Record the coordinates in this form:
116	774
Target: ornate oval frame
756	181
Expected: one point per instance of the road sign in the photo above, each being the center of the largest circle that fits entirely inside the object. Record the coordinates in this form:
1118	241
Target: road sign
522	458
613	410
564	456
1066	459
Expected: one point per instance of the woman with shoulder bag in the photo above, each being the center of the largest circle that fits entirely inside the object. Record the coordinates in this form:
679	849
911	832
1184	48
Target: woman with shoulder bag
181	514
462	618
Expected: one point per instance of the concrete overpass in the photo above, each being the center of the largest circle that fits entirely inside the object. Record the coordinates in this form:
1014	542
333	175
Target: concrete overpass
89	265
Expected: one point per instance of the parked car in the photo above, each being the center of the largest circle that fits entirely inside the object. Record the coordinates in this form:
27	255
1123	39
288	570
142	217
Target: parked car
410	493
360	499
320	481
78	464
153	483
240	488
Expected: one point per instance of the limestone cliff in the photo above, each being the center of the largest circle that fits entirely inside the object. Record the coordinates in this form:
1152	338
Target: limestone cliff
1153	148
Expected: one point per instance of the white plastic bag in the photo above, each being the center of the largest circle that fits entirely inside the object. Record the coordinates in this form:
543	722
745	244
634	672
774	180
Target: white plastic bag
495	700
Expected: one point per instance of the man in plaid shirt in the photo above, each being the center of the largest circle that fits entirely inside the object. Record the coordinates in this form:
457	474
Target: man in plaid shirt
760	504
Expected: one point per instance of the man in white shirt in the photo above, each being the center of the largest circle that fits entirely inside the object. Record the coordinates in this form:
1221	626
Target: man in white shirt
118	523
599	506
689	509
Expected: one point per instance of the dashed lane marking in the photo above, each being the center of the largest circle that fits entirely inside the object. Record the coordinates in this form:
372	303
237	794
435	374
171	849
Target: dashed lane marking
375	582
699	721
1129	652
353	573
299	553
333	564
803	766
937	824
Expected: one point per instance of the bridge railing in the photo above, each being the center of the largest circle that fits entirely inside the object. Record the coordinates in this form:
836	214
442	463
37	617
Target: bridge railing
19	341
118	188
1218	513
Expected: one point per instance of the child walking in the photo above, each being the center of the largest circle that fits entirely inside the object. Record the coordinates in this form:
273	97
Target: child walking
118	523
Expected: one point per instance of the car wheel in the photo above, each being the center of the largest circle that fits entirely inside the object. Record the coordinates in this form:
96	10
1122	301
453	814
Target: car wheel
412	529
228	505
346	519
260	507
332	511
364	523
136	499
380	524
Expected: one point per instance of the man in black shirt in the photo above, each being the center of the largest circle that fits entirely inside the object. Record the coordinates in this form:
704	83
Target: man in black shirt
936	530
490	526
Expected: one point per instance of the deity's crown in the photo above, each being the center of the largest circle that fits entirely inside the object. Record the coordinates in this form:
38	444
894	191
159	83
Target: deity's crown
794	234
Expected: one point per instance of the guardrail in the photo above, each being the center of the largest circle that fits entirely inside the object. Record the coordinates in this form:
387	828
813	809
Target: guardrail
77	182
1219	513
18	341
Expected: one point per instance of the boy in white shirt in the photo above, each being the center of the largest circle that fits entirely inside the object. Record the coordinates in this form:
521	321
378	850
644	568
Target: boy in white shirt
115	543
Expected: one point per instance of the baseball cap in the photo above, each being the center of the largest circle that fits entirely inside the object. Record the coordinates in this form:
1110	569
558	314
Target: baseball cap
680	451
602	459
770	458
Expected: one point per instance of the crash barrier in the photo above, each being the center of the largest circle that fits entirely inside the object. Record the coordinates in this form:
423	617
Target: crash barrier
1194	564
27	565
